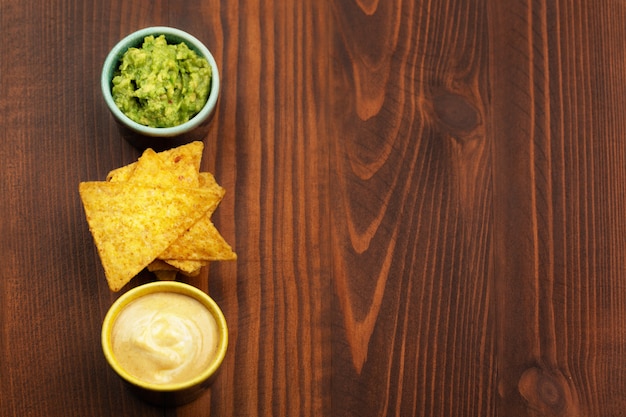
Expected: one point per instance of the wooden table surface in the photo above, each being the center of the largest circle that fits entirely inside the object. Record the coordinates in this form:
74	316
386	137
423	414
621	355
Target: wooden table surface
427	198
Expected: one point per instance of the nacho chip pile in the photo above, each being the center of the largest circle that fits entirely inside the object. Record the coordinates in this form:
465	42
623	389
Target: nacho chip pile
156	214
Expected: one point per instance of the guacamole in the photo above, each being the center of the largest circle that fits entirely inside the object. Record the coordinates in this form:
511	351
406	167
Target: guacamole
160	84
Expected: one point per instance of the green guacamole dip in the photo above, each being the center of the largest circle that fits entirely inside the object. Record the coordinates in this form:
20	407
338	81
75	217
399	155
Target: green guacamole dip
161	85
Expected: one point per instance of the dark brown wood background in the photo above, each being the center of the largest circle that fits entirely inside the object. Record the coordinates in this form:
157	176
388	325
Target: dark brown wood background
427	198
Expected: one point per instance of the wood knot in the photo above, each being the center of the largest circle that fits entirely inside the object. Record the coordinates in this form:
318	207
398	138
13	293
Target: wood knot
548	392
456	112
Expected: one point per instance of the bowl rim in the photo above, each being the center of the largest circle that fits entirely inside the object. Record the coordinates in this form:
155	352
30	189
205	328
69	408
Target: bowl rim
174	287
133	39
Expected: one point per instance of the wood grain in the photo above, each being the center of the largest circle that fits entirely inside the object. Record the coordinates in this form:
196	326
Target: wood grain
559	238
426	198
412	218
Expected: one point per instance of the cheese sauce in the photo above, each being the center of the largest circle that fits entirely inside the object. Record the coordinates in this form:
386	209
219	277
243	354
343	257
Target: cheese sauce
164	338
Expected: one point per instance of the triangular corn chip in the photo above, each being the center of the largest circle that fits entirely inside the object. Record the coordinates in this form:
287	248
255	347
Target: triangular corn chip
166	275
159	267
189	268
132	224
202	242
156	213
183	162
150	169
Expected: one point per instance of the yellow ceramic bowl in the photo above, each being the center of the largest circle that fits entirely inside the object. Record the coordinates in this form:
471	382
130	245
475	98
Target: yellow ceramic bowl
175	393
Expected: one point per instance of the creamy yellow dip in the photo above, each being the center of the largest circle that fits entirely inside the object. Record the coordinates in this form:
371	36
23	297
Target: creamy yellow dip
164	338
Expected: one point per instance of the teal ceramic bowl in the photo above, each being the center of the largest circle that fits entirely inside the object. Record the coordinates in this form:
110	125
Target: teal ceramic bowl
160	137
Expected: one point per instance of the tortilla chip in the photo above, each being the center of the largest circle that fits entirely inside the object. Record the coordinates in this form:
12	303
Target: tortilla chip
150	169
207	180
183	162
132	224
166	275
202	242
158	266
156	213
189	268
